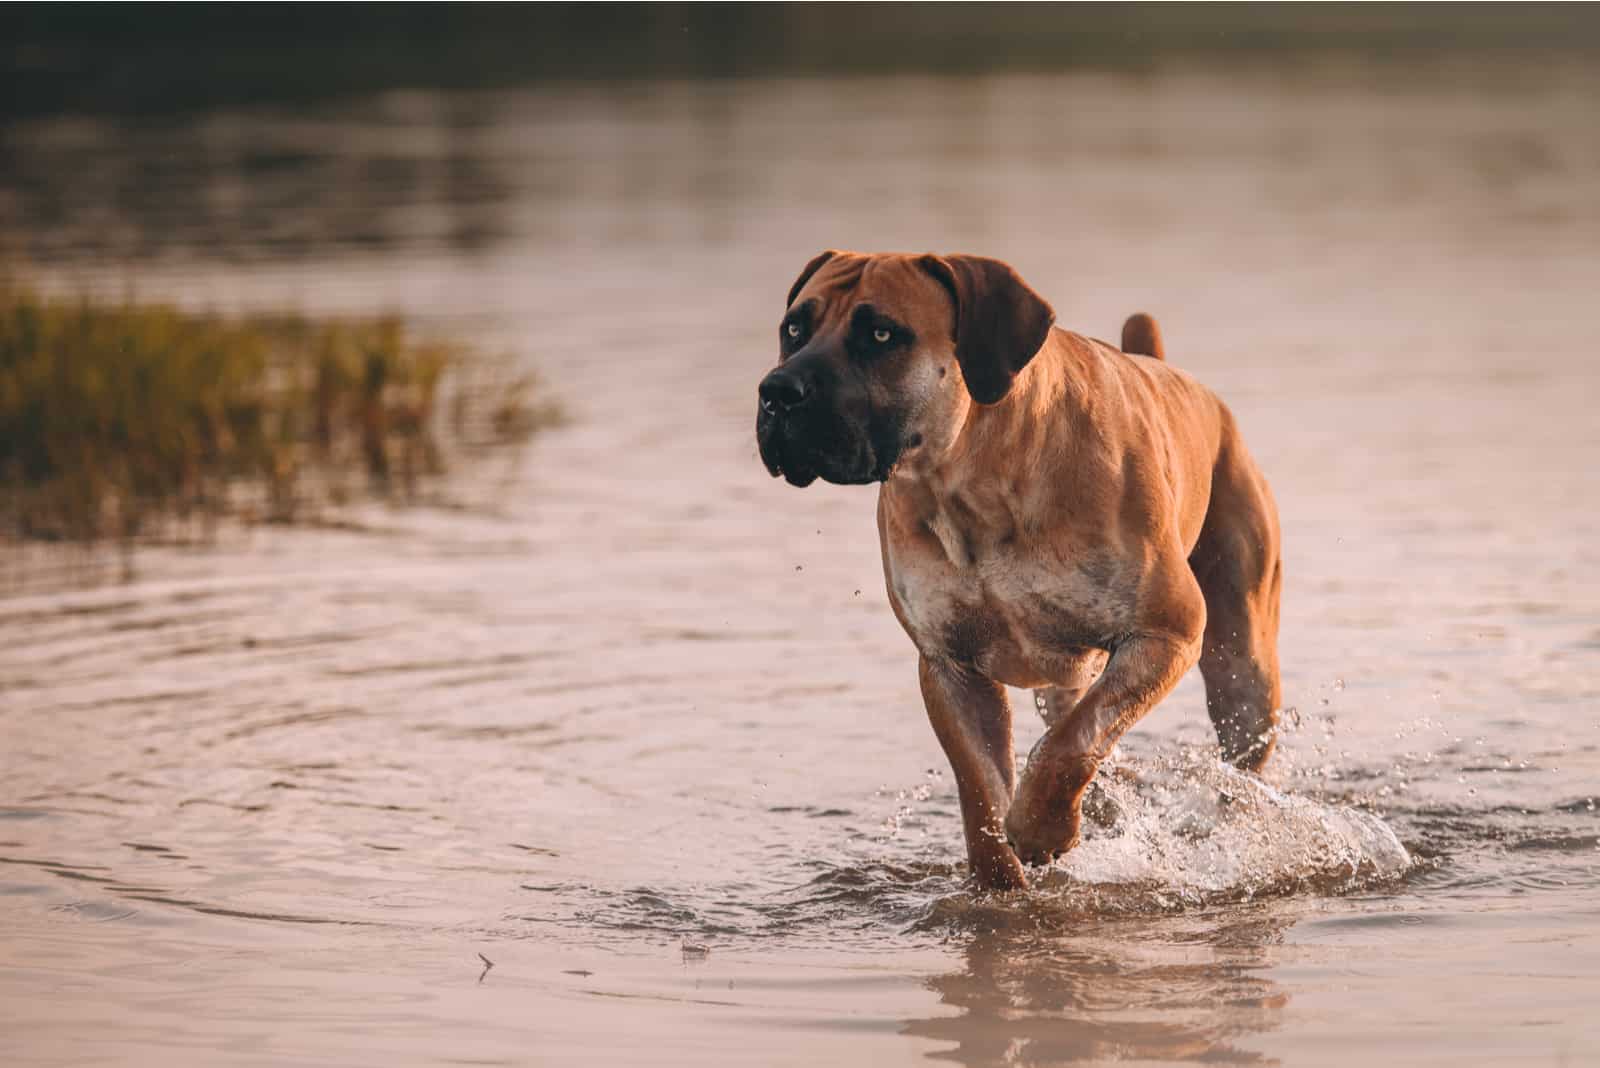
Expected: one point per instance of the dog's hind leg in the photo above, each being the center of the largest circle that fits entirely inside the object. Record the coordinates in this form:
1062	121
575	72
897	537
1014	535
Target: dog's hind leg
1054	702
1240	665
1237	563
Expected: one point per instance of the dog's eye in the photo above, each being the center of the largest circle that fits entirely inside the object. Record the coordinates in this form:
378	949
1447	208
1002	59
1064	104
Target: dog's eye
793	329
881	336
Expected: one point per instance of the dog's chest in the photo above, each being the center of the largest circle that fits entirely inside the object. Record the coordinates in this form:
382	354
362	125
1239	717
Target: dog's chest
1022	613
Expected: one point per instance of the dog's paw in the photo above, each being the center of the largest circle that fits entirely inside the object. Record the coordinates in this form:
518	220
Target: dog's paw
1040	841
1044	817
1039	856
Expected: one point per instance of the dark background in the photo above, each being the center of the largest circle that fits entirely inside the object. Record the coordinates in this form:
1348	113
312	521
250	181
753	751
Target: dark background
166	58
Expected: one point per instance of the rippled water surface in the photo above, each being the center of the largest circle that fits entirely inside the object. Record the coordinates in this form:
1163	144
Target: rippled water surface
633	721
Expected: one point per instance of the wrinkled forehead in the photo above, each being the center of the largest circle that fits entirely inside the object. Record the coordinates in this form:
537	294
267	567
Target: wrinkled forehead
894	285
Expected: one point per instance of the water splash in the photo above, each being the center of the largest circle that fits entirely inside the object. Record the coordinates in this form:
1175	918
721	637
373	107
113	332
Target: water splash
1161	836
1189	830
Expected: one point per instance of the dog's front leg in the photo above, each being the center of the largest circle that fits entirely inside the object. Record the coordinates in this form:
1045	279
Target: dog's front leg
972	719
1042	822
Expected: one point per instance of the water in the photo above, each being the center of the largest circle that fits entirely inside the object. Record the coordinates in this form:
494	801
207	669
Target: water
634	722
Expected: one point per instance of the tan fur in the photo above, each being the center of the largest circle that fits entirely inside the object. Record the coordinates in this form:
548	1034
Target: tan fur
1142	337
1092	535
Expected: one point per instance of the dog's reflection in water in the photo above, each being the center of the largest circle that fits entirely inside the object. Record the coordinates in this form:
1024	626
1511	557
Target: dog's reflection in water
1139	990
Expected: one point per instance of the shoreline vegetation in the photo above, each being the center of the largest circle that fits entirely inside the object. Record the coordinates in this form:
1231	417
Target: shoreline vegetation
122	419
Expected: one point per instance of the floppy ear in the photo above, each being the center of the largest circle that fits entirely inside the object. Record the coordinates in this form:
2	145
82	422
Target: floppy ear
1000	322
805	275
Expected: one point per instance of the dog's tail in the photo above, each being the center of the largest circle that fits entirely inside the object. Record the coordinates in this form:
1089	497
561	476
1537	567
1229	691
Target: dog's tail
1142	337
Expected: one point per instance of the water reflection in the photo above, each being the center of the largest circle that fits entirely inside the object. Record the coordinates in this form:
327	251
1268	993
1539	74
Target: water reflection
1166	991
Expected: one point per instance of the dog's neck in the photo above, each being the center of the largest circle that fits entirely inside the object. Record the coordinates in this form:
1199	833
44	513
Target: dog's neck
983	464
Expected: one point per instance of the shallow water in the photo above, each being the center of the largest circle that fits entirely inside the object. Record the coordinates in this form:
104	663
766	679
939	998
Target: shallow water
634	722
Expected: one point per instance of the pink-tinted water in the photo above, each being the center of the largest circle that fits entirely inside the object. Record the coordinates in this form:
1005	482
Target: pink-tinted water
634	722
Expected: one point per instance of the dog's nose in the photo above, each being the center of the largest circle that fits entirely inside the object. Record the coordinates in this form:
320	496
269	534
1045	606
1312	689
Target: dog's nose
782	390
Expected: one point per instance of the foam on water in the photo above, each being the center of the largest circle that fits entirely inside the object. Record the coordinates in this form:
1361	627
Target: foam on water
1189	830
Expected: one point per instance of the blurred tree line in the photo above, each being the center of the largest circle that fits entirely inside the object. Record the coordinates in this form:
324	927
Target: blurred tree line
149	58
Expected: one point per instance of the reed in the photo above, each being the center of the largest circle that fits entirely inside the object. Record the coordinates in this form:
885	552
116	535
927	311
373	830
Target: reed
119	416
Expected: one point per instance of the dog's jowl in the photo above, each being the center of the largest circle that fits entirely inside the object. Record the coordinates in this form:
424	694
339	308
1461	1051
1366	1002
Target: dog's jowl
1054	514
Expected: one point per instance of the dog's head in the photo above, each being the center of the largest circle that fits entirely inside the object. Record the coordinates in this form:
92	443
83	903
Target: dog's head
881	354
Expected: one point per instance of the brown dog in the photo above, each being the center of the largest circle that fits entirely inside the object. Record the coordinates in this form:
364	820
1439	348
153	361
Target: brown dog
1055	514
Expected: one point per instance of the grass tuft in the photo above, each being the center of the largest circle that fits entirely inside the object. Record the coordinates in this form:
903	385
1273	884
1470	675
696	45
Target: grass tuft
119	415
